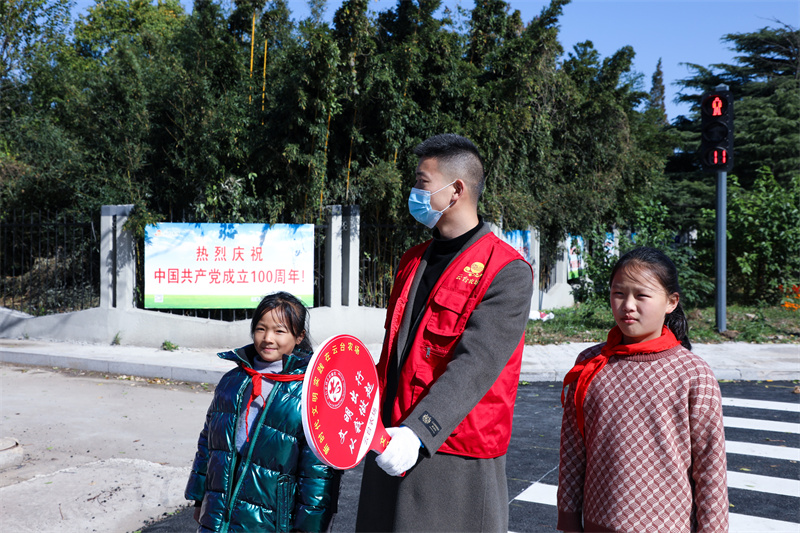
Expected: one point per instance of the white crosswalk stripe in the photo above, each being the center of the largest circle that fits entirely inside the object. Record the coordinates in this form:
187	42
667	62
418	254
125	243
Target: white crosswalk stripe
539	493
763	450
546	495
742	523
762	425
761	404
769	484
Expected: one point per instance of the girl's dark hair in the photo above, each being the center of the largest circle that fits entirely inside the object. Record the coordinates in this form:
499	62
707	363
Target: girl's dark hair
659	265
291	310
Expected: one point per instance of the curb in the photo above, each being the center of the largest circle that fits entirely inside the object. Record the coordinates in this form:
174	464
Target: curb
194	375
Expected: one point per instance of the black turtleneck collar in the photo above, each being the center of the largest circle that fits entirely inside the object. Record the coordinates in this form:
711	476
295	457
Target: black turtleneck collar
441	246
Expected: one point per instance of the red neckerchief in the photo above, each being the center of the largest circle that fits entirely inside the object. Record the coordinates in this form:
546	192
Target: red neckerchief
257	376
585	371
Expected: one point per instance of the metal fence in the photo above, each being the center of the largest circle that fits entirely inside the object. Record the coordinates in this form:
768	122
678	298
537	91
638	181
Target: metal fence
382	245
49	263
319	265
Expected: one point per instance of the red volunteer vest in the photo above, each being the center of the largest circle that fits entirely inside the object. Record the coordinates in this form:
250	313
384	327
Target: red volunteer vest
486	430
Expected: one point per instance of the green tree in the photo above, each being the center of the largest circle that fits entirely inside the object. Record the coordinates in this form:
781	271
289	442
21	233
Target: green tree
601	173
112	23
29	29
764	242
766	88
768	111
656	99
238	112
27	26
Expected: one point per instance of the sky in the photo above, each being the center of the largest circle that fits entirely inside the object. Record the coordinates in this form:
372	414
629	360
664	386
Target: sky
675	31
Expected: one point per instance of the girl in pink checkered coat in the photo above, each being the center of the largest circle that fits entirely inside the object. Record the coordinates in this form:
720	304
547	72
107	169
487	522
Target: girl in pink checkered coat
642	440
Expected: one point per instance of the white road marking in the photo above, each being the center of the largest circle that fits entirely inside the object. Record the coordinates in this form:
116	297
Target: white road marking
761	425
546	494
763	450
739	523
768	484
539	493
742	523
760	404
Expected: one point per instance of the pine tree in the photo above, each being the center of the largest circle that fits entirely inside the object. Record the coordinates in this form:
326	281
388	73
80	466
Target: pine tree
657	94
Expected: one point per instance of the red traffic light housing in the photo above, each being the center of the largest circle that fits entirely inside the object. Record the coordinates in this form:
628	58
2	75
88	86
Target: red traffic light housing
716	145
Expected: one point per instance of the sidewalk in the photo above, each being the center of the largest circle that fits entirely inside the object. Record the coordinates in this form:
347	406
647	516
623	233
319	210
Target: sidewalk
730	361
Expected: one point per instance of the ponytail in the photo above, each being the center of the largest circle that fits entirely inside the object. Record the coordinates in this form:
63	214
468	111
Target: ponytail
677	323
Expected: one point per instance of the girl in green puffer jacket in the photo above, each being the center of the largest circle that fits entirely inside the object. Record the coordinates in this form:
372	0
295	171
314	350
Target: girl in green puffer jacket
253	470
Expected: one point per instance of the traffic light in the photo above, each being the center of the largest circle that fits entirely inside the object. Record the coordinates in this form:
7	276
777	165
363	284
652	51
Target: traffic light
716	146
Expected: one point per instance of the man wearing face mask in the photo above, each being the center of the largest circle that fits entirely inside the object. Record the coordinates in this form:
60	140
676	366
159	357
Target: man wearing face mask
450	362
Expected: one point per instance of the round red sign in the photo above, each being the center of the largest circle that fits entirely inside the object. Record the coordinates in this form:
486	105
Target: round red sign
341	408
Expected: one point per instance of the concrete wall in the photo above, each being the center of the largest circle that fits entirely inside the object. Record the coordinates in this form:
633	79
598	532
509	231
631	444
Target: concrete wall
117	259
139	327
559	294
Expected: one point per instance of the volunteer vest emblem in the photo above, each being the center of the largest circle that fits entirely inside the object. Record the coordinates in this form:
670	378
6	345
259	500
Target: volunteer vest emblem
334	389
471	274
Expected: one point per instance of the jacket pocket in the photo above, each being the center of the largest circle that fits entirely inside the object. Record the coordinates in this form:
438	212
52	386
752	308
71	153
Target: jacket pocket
447	308
429	367
285	503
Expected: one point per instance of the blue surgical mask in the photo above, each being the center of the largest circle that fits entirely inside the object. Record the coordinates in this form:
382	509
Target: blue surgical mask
419	204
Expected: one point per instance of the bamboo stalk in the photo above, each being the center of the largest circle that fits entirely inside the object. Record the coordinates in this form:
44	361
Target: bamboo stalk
322	186
327	132
350	157
252	46
405	84
264	78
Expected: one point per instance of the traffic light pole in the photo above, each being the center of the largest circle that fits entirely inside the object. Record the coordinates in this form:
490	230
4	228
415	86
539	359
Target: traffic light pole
721	248
716	154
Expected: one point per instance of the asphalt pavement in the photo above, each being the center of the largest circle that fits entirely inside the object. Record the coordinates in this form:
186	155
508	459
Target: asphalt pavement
110	450
532	461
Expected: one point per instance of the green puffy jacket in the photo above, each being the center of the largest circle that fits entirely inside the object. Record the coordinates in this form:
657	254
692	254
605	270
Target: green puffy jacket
277	483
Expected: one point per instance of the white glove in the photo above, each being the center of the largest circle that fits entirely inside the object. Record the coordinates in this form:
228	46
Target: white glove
401	453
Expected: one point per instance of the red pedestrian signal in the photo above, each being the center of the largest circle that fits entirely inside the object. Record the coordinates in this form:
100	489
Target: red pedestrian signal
716	145
715	106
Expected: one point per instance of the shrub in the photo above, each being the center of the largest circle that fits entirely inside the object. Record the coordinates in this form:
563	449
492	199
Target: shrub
763	239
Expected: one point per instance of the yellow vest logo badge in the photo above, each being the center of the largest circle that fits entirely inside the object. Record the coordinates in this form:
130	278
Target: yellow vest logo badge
472	273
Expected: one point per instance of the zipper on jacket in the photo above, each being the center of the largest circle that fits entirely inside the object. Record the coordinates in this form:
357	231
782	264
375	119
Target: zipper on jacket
283	511
246	460
234	463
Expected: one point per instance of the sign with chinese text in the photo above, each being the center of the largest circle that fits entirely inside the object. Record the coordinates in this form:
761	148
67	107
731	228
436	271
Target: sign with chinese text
226	266
340	404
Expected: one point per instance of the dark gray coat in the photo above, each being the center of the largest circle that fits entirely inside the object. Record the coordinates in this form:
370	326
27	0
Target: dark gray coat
447	492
